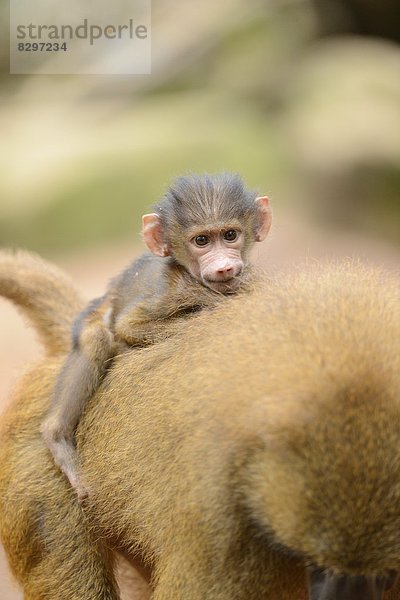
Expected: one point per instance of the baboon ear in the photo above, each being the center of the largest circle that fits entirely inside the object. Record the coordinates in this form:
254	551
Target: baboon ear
153	235
264	218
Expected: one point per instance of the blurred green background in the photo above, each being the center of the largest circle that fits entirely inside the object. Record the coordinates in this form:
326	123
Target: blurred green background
301	97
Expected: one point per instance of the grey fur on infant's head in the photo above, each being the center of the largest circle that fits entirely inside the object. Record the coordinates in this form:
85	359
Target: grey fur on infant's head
199	237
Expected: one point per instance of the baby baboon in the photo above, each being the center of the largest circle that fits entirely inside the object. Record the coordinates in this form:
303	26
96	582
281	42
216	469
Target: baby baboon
253	455
199	240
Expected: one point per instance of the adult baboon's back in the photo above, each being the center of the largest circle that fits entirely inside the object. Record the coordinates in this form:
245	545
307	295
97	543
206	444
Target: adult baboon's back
262	438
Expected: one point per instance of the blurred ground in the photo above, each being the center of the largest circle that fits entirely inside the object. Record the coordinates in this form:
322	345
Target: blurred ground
293	240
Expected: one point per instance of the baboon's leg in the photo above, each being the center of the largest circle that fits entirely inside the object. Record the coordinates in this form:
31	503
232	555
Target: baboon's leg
183	574
78	380
200	572
52	549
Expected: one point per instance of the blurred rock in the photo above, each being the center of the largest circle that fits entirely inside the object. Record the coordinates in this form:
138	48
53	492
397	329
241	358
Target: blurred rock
362	17
343	131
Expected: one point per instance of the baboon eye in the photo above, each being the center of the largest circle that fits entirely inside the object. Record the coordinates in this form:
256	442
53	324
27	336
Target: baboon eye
201	240
230	235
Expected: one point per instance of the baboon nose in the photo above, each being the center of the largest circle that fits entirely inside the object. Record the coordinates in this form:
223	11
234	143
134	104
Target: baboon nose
225	270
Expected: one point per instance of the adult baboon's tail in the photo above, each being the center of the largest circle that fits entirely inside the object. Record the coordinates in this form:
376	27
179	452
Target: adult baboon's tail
44	294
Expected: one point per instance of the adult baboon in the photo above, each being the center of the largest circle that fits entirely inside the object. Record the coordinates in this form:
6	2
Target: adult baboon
253	454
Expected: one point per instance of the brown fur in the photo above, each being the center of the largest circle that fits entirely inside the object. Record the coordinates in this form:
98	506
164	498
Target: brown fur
155	288
44	294
227	491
